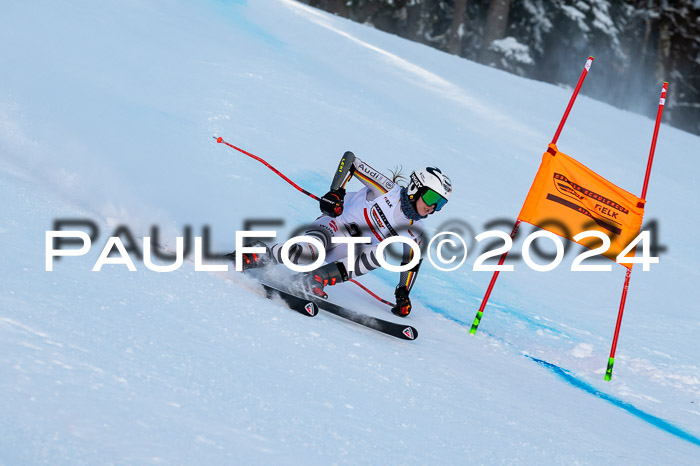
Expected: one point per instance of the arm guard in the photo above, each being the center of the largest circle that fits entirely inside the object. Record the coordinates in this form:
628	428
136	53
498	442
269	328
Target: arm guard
408	278
346	168
377	183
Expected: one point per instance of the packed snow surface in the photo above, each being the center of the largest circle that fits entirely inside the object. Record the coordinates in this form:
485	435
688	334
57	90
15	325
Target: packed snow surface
107	112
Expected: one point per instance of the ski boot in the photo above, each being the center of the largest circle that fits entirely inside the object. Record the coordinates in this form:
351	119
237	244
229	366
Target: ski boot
327	275
253	260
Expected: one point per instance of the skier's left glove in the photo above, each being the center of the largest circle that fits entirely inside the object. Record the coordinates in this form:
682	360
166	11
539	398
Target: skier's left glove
332	202
403	302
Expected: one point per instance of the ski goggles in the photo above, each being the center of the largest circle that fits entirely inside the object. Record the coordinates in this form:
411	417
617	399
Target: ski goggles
430	197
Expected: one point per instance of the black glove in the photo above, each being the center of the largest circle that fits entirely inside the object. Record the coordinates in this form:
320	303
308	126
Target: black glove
403	302
332	202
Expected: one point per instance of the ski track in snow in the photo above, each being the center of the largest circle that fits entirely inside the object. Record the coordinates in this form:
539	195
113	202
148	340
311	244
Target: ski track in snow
581	384
190	367
428	80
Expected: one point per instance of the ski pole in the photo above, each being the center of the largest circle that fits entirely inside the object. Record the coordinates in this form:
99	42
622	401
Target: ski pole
313	196
388	303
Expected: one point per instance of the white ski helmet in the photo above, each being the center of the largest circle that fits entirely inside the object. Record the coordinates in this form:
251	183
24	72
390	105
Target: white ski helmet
430	184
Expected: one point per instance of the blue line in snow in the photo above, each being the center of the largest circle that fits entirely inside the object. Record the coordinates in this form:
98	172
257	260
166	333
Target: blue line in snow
653	420
586	387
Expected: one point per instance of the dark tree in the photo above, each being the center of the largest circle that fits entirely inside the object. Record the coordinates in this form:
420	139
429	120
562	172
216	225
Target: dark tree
637	44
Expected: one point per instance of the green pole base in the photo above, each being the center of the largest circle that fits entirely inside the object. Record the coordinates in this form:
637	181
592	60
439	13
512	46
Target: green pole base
475	324
608	373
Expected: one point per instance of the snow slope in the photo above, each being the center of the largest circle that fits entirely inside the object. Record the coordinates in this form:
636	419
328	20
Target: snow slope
107	112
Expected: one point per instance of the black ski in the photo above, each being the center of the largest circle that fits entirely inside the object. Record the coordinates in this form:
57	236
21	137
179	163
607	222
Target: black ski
304	304
402	331
296	303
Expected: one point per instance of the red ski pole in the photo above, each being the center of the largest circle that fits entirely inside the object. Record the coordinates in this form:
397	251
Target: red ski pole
374	295
220	140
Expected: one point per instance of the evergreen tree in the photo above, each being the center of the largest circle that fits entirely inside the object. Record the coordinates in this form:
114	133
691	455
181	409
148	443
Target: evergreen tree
637	44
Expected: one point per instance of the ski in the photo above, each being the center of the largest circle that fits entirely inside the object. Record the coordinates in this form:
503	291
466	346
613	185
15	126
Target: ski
402	331
296	303
306	304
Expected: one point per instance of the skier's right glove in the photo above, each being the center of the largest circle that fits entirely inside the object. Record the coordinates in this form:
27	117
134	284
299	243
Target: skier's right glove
403	302
332	202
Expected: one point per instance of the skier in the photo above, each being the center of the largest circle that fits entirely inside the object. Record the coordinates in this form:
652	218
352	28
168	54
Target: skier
380	210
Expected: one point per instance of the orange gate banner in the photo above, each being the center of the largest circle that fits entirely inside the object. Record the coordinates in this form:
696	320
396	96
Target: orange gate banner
568	198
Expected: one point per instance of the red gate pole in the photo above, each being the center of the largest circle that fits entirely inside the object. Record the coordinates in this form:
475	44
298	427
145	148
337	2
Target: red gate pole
480	312
659	112
584	73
